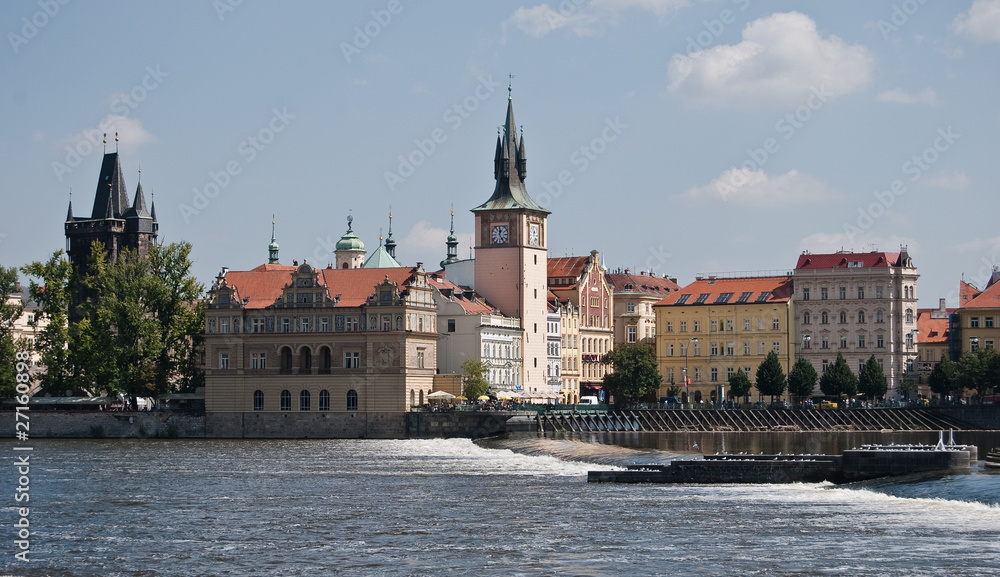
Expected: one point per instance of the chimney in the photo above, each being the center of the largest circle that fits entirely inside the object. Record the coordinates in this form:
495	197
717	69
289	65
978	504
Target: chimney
941	305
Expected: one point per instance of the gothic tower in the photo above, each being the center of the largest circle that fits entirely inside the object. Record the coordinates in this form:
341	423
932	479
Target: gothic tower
511	269
113	222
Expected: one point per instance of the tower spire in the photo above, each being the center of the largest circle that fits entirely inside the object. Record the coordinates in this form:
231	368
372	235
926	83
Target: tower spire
452	243
69	214
272	249
390	243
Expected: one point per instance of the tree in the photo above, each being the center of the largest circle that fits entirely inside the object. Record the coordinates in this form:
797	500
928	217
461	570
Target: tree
906	386
802	378
771	380
978	370
9	312
673	389
872	382
944	378
634	374
52	293
838	380
141	328
474	383
739	384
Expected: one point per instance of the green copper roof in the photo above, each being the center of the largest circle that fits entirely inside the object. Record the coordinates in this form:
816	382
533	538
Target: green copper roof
381	259
350	241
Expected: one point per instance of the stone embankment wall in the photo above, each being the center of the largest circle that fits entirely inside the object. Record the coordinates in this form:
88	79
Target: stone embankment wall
467	424
984	417
287	425
89	424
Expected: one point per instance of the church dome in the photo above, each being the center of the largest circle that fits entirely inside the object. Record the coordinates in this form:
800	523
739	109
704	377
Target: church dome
350	241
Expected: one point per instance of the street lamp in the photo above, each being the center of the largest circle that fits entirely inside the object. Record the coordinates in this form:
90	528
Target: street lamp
686	378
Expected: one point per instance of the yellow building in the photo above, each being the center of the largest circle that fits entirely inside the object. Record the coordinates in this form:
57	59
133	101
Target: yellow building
979	319
715	326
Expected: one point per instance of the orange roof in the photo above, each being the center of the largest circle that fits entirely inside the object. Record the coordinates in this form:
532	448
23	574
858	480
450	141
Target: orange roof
730	291
989	298
263	284
641	283
932	330
845	260
475	305
567	266
966	292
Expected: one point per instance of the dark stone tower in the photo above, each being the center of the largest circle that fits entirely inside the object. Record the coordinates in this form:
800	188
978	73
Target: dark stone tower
112	222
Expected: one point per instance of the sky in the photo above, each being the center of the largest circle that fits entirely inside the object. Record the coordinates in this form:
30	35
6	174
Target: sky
678	136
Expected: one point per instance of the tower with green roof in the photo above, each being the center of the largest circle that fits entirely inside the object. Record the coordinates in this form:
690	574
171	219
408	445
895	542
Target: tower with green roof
350	251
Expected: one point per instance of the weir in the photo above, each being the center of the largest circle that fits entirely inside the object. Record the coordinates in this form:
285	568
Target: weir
673	420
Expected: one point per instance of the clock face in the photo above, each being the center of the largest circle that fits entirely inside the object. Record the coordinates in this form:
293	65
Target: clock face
499	234
533	235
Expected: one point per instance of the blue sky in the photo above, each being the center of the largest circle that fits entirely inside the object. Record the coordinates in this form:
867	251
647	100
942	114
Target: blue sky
681	136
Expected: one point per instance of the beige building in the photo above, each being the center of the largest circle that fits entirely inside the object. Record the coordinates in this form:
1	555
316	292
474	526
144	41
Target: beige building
858	305
569	348
713	327
580	281
634	297
348	350
979	319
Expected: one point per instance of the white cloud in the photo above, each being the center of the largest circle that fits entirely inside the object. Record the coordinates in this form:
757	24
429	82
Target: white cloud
900	96
425	241
755	186
131	133
823	242
781	58
954	181
981	22
584	18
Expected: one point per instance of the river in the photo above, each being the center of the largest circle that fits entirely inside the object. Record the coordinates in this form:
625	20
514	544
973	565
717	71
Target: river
518	505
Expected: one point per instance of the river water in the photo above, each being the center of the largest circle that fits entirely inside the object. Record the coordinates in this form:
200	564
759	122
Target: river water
511	506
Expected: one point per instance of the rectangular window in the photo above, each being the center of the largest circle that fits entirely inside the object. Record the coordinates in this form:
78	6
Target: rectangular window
878	291
729	324
730	349
387	323
974	344
305	324
775	324
823	294
989	322
762	297
352	360
630	307
451	325
224	361
684	326
352	324
746	348
880	341
826	365
760	347
697	374
973	322
861	341
224	326
861	292
843	293
745	297
420	358
702	298
668	327
776	347
258	361
723	298
746	324
697	326
714	349
324	324
595	301
805	294
285	325
257	325
730	372
713	375
631	334
843	342
760	323
683	299
825	343
715	326
669	348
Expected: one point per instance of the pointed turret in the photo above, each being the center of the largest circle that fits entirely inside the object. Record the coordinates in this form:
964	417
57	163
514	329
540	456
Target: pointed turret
390	244
272	249
69	213
138	209
452	244
109	211
110	188
152	209
509	169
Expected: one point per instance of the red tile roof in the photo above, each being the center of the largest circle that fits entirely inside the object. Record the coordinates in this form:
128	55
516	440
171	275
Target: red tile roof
263	284
567	266
640	283
779	287
989	298
841	260
475	305
966	292
932	330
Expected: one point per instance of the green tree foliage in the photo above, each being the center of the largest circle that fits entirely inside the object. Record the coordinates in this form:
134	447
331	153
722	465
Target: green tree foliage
979	370
474	383
771	380
872	382
634	374
141	327
944	378
9	312
906	386
839	380
739	384
50	289
802	378
673	389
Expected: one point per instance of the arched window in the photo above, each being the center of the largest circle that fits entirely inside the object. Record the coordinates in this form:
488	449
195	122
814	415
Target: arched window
286	401
352	400
843	317
326	358
824	318
258	400
861	317
304	401
909	315
806	318
305	359
879	316
286	359
324	400
413	398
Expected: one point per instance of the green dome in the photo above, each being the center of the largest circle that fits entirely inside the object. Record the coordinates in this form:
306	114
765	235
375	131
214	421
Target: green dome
350	241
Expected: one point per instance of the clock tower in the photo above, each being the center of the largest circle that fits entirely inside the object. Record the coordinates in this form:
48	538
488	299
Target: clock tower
511	262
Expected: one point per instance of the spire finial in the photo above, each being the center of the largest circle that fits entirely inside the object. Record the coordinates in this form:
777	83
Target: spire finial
510	82
350	219
116	141
105	143
380	236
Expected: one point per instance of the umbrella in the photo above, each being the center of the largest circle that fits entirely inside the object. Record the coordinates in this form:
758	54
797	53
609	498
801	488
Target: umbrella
483	398
443	395
460	398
